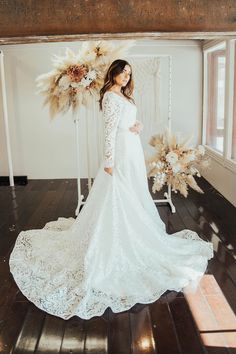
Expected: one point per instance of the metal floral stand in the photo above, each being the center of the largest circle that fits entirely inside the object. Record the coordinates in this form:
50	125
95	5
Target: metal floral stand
168	199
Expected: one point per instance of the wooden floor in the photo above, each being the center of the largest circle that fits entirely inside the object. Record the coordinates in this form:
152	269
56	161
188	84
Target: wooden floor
175	324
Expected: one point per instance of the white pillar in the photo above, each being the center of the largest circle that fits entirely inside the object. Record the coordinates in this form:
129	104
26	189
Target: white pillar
5	116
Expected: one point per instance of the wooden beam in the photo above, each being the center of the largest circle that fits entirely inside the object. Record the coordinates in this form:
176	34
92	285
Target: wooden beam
53	18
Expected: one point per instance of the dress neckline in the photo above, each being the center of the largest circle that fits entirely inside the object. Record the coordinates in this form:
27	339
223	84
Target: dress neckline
121	97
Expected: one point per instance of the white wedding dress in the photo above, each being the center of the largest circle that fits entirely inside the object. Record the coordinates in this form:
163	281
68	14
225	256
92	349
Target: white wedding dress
116	253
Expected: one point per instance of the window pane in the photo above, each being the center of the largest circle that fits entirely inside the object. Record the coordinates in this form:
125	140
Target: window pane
216	98
234	112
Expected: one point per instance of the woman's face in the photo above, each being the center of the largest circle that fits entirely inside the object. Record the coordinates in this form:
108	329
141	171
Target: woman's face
123	78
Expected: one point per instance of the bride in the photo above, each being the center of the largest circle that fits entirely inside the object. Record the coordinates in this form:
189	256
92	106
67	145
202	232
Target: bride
116	253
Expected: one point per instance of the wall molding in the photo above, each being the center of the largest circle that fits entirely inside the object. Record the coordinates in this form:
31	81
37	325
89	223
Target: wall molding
113	36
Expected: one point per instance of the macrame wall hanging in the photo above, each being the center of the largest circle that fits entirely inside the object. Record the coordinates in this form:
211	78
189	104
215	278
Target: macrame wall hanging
147	73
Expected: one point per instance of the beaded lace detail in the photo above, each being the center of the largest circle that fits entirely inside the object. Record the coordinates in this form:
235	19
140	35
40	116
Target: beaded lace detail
112	109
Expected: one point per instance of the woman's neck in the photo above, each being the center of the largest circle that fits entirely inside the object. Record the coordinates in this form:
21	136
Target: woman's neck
116	89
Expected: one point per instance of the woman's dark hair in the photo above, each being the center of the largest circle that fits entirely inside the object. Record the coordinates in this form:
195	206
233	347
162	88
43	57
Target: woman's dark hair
115	69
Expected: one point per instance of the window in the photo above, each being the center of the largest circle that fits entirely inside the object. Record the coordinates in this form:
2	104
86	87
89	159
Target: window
233	152
215	99
219	102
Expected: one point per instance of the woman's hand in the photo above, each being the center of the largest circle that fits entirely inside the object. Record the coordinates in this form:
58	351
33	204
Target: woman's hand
137	127
108	170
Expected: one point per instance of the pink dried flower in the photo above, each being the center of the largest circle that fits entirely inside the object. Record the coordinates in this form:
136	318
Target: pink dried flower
76	72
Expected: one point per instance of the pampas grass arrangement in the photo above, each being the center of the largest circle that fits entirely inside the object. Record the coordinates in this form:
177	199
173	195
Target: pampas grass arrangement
175	164
78	77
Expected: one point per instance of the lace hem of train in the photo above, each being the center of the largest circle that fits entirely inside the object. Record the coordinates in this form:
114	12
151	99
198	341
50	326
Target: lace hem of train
66	292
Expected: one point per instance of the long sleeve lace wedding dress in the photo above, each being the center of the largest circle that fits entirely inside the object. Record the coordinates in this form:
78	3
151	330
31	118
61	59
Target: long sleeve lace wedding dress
116	253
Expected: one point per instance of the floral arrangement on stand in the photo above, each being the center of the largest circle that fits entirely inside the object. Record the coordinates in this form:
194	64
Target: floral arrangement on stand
175	164
77	77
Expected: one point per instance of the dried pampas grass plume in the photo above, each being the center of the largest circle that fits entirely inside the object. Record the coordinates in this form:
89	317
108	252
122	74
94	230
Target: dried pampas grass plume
76	78
174	163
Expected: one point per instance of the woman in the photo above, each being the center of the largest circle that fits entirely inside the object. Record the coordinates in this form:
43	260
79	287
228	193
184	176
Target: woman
116	253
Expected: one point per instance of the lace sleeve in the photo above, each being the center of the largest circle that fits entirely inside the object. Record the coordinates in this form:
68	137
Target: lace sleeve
111	115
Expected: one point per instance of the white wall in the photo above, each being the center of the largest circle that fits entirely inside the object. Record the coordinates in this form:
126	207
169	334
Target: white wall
42	148
222	178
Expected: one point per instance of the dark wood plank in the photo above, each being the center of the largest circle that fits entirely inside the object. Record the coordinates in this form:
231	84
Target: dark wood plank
164	330
96	341
26	206
50	339
142	332
7	296
188	335
30	331
119	338
74	336
12	325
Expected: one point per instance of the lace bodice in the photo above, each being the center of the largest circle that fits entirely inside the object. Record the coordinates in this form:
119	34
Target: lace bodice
118	114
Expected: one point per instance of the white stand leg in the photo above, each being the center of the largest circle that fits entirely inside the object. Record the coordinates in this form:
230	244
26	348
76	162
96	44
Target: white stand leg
167	200
80	196
88	151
